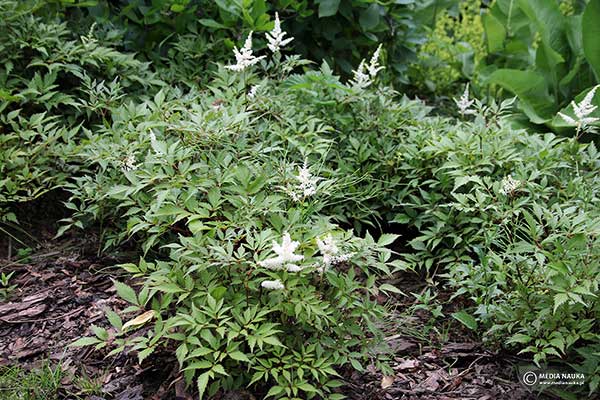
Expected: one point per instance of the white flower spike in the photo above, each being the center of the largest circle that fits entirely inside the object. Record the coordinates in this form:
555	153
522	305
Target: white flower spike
509	186
365	74
285	258
276	36
244	57
129	163
307	184
374	66
464	104
253	91
582	112
272	285
361	79
331	253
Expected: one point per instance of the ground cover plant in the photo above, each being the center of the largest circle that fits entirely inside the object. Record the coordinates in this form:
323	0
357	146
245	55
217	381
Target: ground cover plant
273	209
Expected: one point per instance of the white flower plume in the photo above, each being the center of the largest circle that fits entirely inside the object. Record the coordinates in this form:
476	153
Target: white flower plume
373	67
331	253
275	37
286	258
307	184
361	79
244	57
365	74
129	163
464	104
272	285
582	112
509	185
253	91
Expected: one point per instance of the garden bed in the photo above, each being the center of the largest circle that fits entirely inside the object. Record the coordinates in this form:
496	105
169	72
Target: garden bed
63	289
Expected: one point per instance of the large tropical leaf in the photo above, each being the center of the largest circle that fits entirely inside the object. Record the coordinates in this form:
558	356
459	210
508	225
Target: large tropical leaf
550	23
532	90
591	35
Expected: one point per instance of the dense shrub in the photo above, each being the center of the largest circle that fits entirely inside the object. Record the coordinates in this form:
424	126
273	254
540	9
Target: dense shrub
50	81
327	30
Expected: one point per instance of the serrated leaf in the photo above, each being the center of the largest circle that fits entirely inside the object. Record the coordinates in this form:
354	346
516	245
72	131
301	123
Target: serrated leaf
466	319
239	356
125	292
114	319
559	299
201	383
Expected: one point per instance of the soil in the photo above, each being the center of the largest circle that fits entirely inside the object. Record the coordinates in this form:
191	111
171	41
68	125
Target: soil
63	289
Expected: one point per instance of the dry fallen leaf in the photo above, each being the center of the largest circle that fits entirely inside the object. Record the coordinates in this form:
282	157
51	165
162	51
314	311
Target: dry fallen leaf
387	381
139	320
407	364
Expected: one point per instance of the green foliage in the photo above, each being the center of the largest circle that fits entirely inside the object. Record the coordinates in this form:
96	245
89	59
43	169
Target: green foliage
254	197
454	49
209	184
542	53
48	81
335	31
38	384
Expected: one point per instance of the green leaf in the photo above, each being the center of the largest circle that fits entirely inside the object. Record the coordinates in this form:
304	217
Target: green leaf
369	18
239	356
463	180
203	364
466	319
142	355
386	287
307	387
219	369
273	341
559	299
85	341
531	89
495	33
202	383
177	8
327	8
274	391
591	35
114	319
126	292
550	23
387	239
519	338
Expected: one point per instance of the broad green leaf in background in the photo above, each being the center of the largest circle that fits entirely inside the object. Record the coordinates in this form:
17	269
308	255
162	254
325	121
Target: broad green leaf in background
532	90
327	8
549	22
495	33
591	35
369	18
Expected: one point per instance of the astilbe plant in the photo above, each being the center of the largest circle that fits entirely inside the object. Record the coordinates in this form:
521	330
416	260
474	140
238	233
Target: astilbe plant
250	283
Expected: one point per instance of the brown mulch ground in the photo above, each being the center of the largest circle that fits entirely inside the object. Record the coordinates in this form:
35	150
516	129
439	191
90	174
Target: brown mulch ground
61	292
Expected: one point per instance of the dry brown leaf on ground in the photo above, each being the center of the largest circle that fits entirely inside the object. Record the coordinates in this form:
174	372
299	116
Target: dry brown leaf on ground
387	381
139	320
